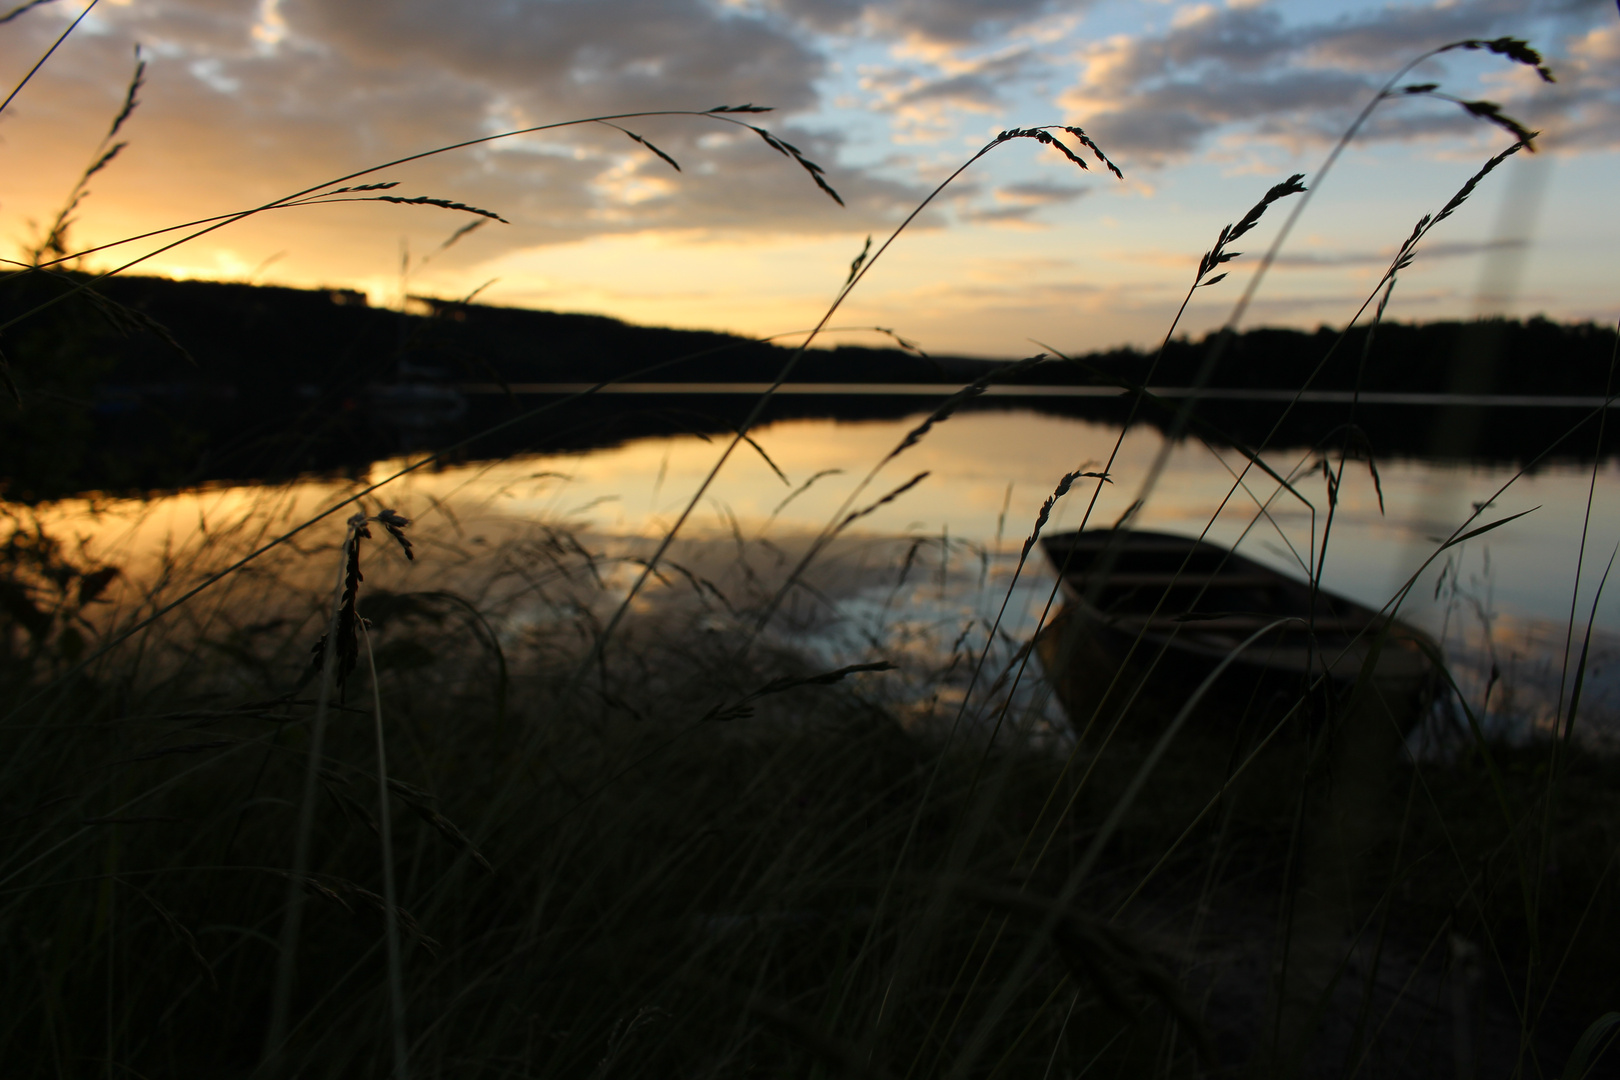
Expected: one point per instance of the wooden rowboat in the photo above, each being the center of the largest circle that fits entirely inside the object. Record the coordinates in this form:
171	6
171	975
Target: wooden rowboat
1148	616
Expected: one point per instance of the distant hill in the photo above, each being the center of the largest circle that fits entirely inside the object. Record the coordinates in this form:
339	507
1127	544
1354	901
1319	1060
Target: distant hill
1497	356
161	383
266	336
169	383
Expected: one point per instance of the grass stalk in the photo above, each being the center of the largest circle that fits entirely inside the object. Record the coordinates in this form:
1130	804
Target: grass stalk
63	36
293	919
396	976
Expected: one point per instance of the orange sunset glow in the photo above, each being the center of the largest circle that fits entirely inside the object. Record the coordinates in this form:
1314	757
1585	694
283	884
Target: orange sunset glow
245	102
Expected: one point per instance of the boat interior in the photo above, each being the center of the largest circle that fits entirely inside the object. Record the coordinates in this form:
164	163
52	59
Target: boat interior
1160	582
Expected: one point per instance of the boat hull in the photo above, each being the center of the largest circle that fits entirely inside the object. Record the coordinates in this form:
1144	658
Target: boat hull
1151	618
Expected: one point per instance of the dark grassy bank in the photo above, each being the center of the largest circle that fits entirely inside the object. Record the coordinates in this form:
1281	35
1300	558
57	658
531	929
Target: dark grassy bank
662	872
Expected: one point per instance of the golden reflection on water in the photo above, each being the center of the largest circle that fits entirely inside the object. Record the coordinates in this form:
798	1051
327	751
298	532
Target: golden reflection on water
988	475
639	489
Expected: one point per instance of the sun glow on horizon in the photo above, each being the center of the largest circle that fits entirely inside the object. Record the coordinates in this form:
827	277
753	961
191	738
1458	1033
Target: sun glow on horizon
1024	246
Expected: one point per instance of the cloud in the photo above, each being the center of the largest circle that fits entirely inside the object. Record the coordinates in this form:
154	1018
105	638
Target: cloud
951	22
572	55
1157	97
1016	204
976	84
1039	193
1330	260
973	92
1015	216
248	102
1425	253
1583	110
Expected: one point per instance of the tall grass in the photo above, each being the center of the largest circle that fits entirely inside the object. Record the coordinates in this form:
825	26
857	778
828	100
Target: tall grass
602	815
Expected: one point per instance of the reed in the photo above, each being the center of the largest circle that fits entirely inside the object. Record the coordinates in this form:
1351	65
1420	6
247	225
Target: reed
647	836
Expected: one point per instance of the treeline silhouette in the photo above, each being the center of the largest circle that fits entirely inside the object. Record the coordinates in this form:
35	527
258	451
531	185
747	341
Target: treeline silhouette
145	383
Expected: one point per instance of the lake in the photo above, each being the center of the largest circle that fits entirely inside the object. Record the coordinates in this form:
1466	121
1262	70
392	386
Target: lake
940	556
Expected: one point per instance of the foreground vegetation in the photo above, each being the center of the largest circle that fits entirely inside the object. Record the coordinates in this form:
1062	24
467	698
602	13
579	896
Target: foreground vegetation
696	865
537	818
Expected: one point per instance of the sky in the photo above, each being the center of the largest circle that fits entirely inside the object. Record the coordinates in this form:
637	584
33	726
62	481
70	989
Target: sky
1204	106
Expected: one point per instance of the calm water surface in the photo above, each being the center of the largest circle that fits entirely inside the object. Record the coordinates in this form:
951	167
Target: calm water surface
1505	598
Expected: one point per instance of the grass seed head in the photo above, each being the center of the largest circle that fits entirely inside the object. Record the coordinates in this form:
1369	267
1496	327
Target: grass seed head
1044	135
1512	48
428	200
396	523
1218	254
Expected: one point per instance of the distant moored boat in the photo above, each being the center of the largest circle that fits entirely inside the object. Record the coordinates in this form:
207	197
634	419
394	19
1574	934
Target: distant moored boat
1150	615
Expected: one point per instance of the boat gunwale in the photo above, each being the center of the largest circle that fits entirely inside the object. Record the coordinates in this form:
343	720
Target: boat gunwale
1183	636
